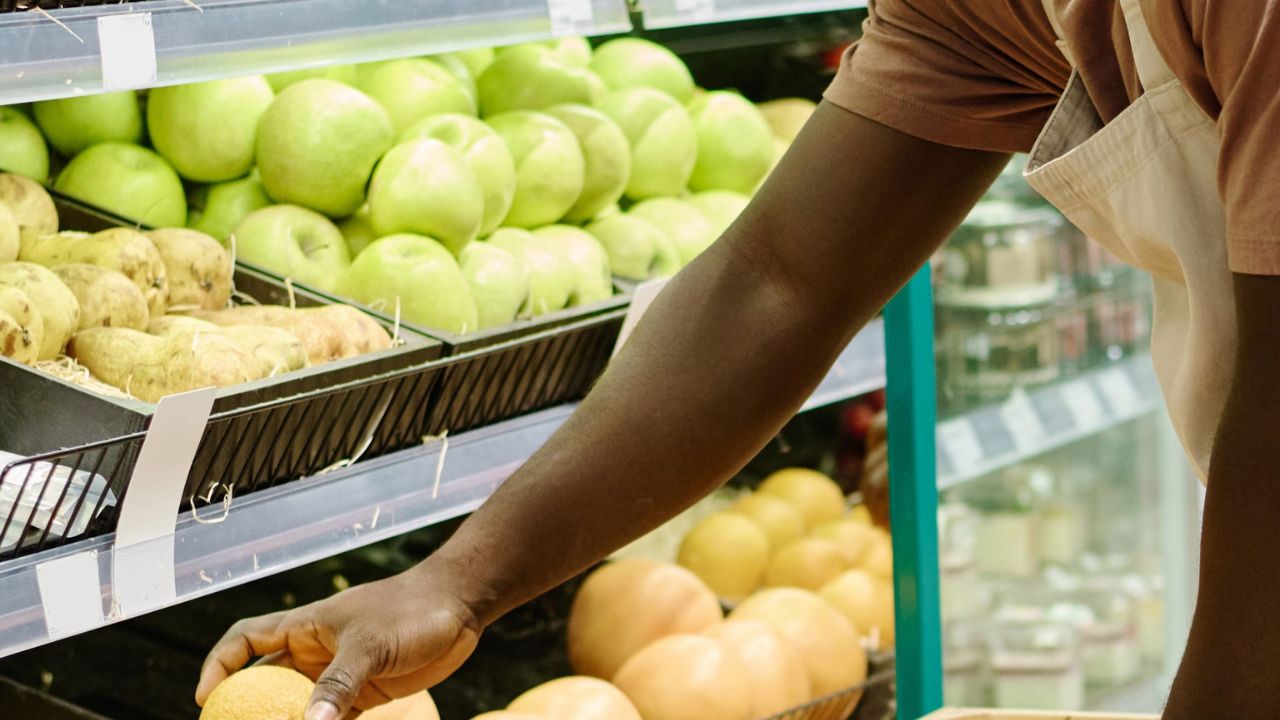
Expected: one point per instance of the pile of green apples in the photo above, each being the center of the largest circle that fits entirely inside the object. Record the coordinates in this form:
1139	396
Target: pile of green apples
462	191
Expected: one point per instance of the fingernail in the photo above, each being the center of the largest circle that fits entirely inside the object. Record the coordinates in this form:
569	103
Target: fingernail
322	711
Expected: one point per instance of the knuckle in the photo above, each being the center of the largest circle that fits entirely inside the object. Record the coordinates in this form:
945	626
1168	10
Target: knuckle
338	682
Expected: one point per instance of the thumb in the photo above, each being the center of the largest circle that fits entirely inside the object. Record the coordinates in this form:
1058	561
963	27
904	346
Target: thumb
340	683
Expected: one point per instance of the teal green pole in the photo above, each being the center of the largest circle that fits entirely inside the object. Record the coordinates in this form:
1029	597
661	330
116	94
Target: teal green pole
913	496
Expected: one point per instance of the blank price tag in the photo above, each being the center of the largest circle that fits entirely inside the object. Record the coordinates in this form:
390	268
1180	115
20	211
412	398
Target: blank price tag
71	594
128	51
960	441
1086	409
646	292
1022	421
696	9
142	561
571	17
1118	389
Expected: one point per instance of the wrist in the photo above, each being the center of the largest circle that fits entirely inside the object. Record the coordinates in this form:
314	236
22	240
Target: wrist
475	596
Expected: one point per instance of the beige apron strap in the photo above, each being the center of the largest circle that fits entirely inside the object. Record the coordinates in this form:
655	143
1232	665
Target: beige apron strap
1051	10
1152	69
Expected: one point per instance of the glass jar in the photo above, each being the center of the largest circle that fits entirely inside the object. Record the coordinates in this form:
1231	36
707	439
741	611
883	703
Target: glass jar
1106	619
1001	257
1036	662
1009	506
984	354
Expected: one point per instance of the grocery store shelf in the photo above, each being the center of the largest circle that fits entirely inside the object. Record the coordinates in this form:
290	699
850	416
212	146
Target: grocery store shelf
1029	424
660	14
61	54
860	369
300	522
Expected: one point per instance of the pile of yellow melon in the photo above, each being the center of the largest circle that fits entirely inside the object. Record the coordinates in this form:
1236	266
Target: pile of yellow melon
266	692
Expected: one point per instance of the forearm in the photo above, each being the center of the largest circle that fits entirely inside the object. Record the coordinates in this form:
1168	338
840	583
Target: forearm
1232	668
724	357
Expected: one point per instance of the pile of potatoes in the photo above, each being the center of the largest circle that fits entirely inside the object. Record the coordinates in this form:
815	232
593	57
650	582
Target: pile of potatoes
149	312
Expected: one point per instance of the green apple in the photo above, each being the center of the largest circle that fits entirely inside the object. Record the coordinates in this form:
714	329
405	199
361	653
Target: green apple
476	59
425	187
295	242
664	142
318	143
786	116
486	153
607	154
531	77
551	277
722	207
633	62
207	130
461	72
128	180
688	227
73	124
419	274
590	262
550	168
735	143
637	249
358	231
22	148
572	50
345	74
227	204
499	283
414	88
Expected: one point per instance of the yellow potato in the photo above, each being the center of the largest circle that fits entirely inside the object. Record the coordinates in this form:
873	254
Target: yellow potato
10	241
199	268
21	327
107	298
30	204
58	307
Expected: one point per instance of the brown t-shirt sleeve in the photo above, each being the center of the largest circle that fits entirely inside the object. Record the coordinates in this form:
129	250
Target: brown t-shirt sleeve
1239	42
982	74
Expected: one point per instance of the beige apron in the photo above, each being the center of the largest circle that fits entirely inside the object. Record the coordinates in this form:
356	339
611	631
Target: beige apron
1144	186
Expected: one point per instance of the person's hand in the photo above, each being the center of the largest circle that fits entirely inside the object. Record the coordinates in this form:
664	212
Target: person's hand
363	647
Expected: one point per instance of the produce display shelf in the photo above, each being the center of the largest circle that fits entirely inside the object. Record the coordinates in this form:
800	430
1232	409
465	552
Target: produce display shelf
1031	423
659	14
281	528
83	50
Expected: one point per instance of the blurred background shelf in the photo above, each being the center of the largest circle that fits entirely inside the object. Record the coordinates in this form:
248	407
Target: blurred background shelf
60	54
679	13
275	530
1032	423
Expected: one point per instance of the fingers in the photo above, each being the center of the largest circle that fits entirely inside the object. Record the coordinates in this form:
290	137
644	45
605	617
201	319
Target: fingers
340	683
278	659
247	639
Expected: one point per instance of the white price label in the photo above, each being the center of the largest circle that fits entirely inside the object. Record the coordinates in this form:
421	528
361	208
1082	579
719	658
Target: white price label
1117	387
646	292
1083	403
571	17
71	594
127	47
696	9
960	441
1022	421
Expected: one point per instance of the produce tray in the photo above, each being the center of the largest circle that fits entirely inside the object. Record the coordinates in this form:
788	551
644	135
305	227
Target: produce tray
261	433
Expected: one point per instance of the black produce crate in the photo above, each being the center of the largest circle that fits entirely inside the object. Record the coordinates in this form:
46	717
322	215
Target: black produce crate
24	703
261	433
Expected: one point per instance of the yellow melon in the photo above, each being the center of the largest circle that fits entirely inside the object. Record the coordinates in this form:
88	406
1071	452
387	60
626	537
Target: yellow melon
776	517
418	706
576	698
729	552
777	674
866	601
879	559
628	604
853	538
814	495
860	514
809	563
260	692
827	642
786	116
686	677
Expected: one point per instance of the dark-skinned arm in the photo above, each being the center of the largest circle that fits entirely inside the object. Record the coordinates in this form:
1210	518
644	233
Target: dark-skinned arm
1232	665
722	360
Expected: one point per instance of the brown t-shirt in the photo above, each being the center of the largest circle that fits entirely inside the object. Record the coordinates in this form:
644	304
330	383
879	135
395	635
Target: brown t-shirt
986	74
